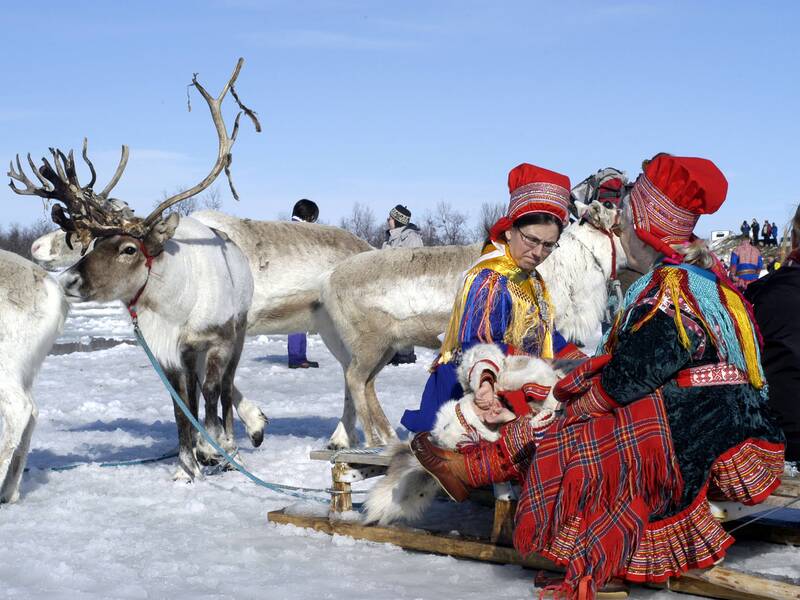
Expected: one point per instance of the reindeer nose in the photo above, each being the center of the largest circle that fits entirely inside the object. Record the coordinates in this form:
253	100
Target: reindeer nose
35	248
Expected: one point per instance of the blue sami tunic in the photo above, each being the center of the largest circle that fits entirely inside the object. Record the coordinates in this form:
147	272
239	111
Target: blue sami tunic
486	317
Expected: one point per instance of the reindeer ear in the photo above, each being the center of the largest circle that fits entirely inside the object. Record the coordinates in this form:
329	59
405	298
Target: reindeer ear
159	233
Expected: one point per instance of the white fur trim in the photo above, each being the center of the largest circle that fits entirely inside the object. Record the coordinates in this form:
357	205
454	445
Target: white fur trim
542	419
550	403
519	370
476	360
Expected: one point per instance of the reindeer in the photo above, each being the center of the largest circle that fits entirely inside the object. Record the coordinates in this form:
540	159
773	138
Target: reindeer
289	262
32	313
188	285
377	302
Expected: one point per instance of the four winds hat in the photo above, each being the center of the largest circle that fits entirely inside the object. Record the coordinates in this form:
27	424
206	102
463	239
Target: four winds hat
534	190
669	197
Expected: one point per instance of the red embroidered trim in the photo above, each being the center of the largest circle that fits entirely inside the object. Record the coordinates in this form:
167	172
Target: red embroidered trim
548	195
535	392
656	213
708	375
488	362
460	415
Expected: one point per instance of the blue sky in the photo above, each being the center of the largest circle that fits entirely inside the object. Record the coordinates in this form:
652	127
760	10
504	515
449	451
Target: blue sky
407	102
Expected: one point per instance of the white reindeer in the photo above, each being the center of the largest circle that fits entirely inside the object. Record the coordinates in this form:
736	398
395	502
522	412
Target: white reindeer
190	285
32	313
377	302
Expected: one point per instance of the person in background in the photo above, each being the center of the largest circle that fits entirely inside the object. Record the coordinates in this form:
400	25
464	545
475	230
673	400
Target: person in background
774	234
766	233
746	264
754	230
305	211
402	233
771	265
745	228
775	299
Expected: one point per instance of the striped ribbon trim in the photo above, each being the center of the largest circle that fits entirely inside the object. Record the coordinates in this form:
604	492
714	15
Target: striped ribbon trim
548	194
656	213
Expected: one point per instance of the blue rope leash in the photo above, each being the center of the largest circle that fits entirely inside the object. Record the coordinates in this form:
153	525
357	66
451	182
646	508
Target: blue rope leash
289	490
108	464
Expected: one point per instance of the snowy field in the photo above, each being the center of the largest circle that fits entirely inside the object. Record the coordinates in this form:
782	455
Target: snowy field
132	533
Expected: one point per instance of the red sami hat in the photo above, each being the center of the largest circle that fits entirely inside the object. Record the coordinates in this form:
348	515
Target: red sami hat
534	190
669	197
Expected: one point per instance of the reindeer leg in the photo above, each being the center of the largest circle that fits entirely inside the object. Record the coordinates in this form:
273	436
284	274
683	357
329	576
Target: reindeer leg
345	435
253	418
188	468
227	387
19	414
216	359
356	379
382	430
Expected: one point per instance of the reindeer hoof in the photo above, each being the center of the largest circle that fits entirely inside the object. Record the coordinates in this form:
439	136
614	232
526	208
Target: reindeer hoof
208	460
182	476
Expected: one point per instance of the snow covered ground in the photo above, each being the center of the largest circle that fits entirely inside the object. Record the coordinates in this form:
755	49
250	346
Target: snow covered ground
131	532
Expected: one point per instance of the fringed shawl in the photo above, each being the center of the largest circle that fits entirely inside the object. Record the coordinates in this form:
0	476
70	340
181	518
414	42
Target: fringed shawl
724	314
531	314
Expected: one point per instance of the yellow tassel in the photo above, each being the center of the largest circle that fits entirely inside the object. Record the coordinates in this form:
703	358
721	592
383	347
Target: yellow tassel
748	336
526	308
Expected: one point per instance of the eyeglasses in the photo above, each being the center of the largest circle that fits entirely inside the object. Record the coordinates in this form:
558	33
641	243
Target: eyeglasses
532	242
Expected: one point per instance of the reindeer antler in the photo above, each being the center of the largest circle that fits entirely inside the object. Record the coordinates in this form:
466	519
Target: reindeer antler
224	156
86	214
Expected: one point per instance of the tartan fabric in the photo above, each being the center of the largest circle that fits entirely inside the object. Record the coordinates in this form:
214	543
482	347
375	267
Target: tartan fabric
570	352
579	379
591	485
595	401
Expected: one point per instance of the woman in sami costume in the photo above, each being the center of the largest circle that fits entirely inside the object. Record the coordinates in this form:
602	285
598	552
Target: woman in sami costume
504	300
674	413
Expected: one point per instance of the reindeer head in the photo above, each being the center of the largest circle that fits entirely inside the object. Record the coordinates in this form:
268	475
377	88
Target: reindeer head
597	198
124	245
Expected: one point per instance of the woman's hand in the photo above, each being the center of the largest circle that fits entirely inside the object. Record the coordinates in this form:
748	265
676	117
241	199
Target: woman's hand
485	397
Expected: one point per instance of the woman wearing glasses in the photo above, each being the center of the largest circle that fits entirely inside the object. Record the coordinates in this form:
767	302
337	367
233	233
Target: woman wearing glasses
503	306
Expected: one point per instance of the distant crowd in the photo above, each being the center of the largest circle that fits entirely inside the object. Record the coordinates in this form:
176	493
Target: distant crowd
766	233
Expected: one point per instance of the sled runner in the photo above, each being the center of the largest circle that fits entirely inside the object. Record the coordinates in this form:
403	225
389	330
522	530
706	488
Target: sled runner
477	531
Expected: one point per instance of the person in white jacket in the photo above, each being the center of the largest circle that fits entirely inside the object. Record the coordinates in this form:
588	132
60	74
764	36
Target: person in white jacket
400	231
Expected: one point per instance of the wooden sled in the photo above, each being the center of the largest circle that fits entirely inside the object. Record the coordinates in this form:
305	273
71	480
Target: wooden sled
485	534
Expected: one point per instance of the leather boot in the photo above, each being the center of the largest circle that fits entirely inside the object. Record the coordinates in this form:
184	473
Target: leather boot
445	466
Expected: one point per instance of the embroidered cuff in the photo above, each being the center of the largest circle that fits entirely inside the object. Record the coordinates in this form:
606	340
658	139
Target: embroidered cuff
594	401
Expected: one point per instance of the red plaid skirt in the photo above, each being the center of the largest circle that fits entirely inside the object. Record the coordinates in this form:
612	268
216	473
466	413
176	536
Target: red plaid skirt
593	482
